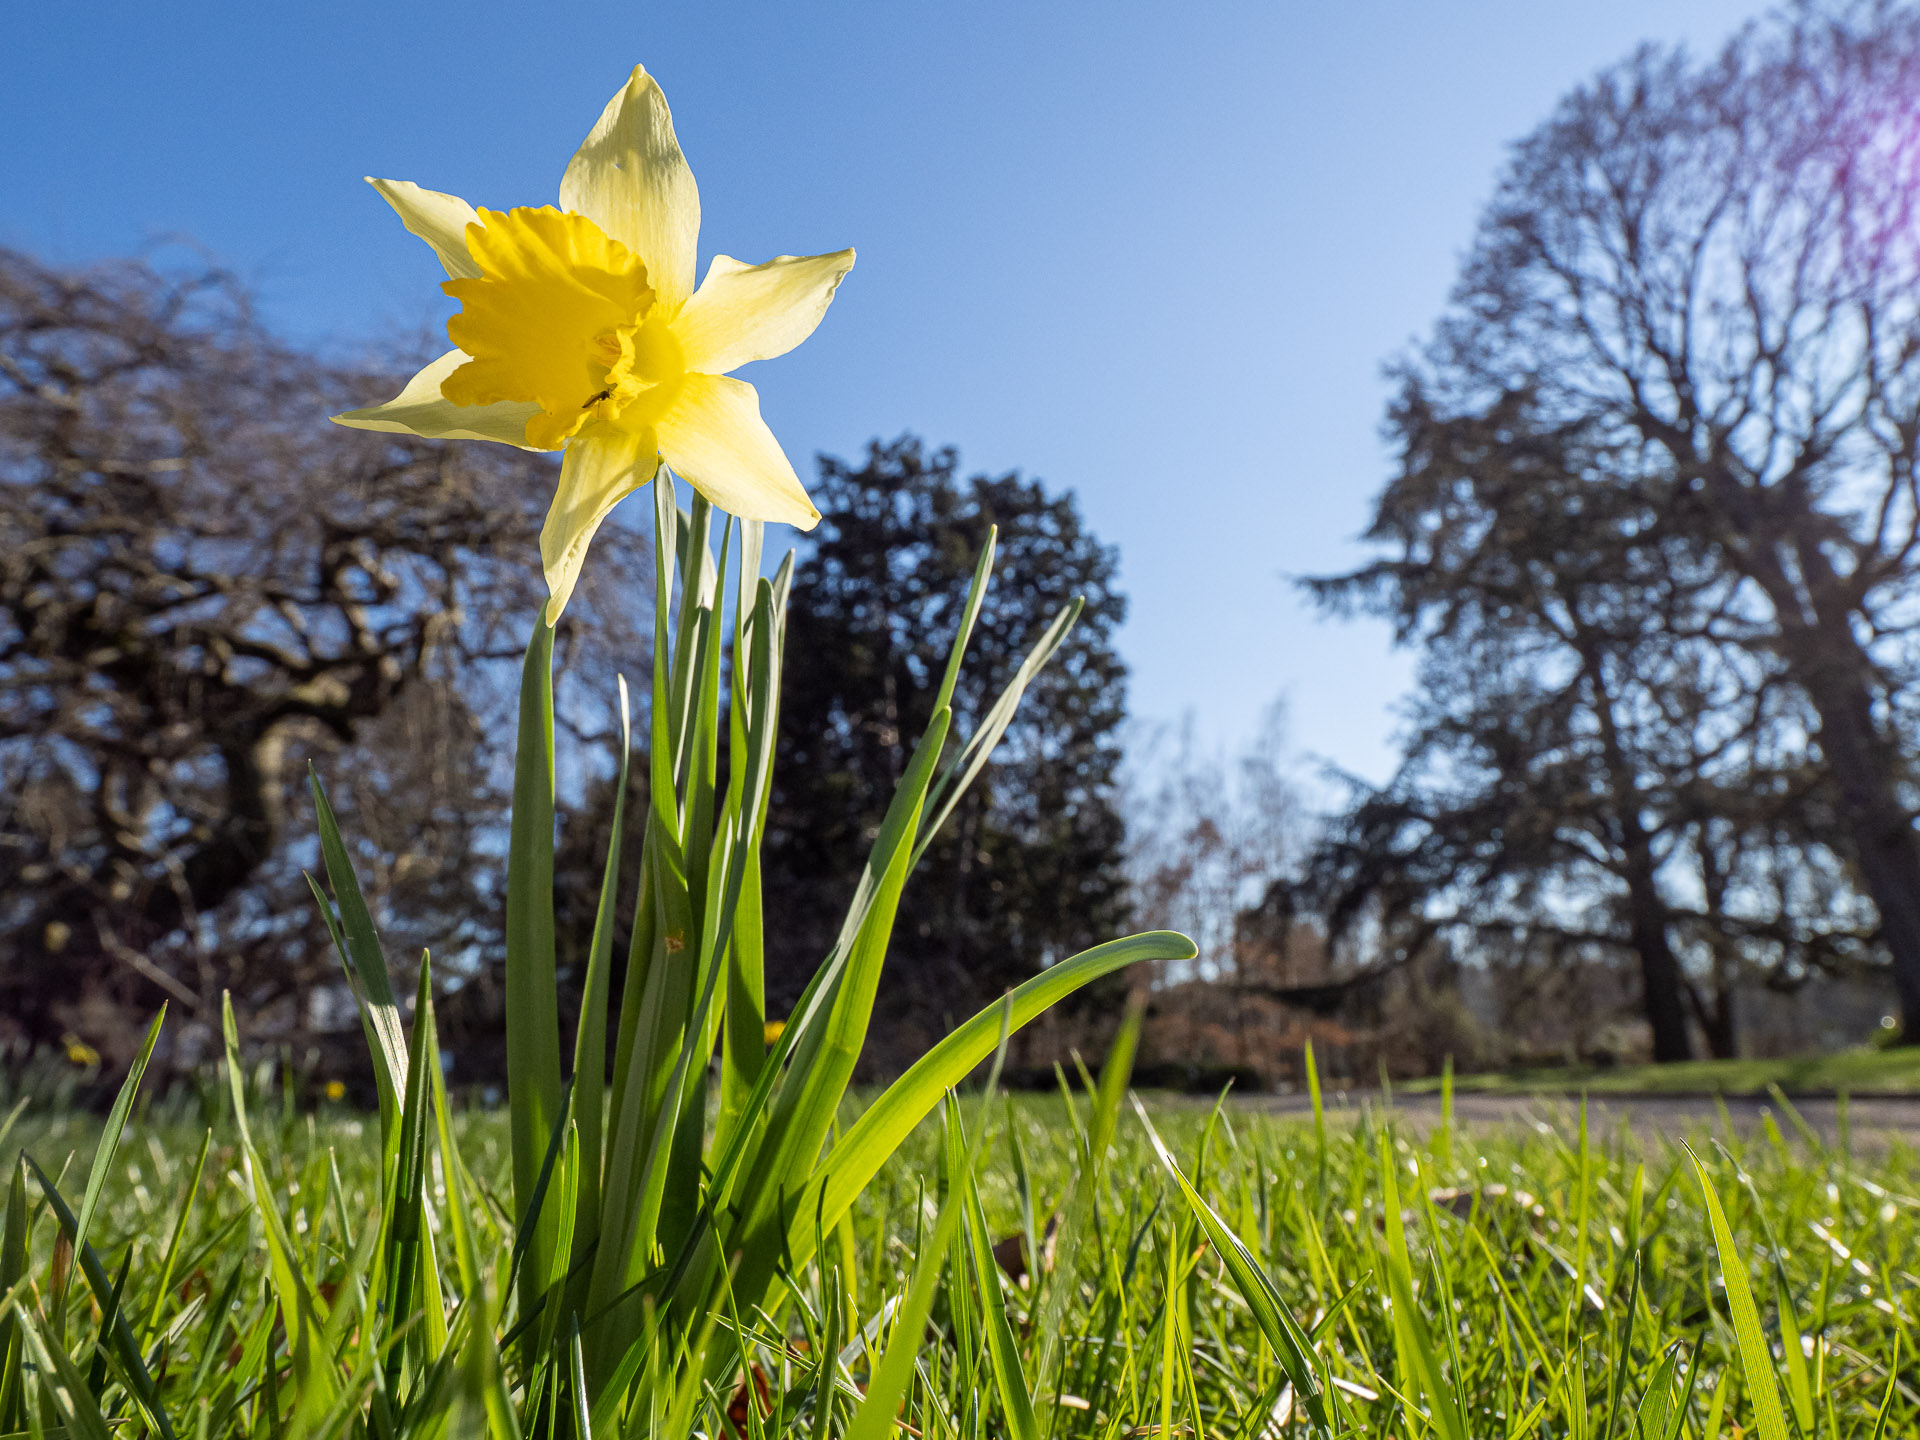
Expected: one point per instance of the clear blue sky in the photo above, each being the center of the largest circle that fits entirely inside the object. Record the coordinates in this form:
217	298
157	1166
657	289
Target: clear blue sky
1155	253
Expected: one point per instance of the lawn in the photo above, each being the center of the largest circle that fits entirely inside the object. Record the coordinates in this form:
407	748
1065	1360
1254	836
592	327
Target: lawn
1857	1072
1550	1284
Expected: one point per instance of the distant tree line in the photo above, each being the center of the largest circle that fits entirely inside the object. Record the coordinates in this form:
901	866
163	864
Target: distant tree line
1654	530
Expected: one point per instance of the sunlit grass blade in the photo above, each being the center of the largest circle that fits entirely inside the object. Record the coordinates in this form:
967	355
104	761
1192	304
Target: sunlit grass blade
188	1196
1413	1341
1108	1096
1800	1389
1756	1361
1277	1323
104	1152
1656	1401
64	1389
875	1417
1319	1111
365	962
314	1376
969	616
1893	1385
1003	1352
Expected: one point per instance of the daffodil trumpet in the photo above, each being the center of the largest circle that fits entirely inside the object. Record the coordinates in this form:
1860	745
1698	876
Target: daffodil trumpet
580	330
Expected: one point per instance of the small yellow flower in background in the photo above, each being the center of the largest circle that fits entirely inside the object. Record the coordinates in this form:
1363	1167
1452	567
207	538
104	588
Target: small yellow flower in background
580	329
335	1091
773	1031
79	1052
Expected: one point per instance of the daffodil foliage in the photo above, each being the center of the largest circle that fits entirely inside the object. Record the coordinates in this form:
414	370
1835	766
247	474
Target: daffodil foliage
684	1175
580	330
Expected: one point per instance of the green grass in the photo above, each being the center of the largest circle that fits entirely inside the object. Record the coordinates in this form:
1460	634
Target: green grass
1855	1072
1542	1284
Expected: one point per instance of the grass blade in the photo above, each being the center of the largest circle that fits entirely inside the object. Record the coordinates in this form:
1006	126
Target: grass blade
972	757
65	1389
875	1418
1115	1073
1277	1323
366	963
1413	1342
1756	1361
103	1153
13	1273
119	1334
1002	1351
315	1379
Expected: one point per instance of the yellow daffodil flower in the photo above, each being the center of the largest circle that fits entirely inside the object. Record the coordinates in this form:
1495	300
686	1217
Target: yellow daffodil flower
580	329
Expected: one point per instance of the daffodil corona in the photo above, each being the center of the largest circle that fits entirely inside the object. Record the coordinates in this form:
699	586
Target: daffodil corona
580	330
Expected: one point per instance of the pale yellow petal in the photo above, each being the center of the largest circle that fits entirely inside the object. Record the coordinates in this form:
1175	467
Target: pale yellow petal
420	410
599	471
631	180
440	220
714	436
742	312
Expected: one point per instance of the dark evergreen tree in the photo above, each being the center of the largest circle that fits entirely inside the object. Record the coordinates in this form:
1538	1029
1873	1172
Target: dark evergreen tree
1028	870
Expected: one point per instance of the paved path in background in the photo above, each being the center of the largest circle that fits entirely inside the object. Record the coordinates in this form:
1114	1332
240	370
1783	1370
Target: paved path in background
1876	1119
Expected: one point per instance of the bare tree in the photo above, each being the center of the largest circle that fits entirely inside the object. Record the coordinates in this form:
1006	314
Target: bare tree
1597	751
203	586
1211	841
1714	270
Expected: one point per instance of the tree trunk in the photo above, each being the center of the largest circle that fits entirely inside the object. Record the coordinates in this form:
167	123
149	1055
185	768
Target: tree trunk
1879	829
1826	659
1662	987
1718	1023
1662	995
